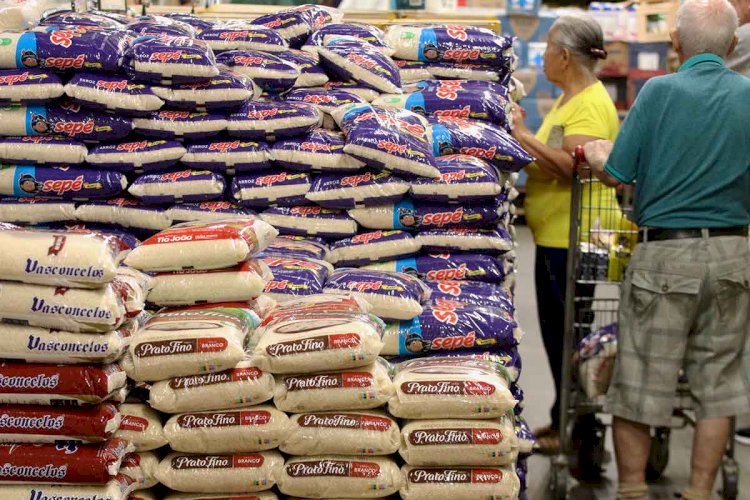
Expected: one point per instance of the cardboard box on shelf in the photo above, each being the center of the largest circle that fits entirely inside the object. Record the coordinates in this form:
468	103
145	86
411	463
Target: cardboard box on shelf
536	84
617	63
649	58
482	4
656	20
618	90
524	7
528	28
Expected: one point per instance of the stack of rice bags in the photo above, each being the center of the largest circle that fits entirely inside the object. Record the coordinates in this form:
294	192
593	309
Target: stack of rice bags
69	312
192	354
329	379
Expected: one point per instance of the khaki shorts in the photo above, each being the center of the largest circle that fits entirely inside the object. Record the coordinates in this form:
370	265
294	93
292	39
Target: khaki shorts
684	304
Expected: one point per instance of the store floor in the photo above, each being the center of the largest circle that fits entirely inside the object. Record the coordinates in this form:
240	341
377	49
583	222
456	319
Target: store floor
537	383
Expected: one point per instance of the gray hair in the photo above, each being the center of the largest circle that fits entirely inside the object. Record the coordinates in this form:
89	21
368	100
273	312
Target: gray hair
583	37
706	27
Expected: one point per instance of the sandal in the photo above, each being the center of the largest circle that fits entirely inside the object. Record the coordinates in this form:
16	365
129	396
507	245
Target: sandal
548	440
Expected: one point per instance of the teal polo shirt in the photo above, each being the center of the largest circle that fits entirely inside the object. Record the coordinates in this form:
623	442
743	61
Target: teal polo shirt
686	145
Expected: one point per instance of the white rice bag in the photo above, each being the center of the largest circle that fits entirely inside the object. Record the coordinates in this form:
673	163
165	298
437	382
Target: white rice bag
319	151
141	426
141	467
355	190
170	59
208	211
349	59
136	156
230	155
459	483
241	35
376	246
311	221
226	91
171	124
49	150
466	240
271	188
29	86
272	120
36	210
125	212
112	92
118	488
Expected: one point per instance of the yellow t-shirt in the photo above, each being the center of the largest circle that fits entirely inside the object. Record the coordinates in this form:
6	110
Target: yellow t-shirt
547	203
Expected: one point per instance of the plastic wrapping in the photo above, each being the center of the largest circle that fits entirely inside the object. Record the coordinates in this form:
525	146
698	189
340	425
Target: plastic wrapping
71	18
271	73
179	186
227	90
319	151
325	100
235	284
463	178
238	387
208	211
459	483
236	473
329	476
434	388
472	293
271	188
312	342
466	240
29	86
311	74
410	215
61	258
451	43
170	60
365	388
450	326
311	221
141	467
60	182
298	246
246	430
459	442
354	190
452	135
341	433
295	276
350	59
112	92
273	120
46	150
136	156
315	304
160	27
141	426
366	93
468	71
364	32
176	124
125	212
294	25
371	247
387	139
230	155
595	359
243	36
62	463
448	266
75	310
44	424
391	295
36	210
202	246
412	71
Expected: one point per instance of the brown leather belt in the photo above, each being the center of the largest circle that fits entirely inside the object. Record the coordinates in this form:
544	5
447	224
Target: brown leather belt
661	234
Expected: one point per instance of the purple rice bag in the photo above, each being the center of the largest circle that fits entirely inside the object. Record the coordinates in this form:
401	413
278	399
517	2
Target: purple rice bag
36	210
365	93
451	43
160	26
180	124
388	139
228	155
320	15
483	140
208	211
391	295
526	438
522	470
496	240
62	49
71	18
271	73
124	212
468	71
177	187
243	36
376	246
364	32
65	118
112	93
473	293
126	237
44	150
324	100
478	100
463	179
293	25
170	60
196	22
272	188
447	266
298	246
227	90
29	86
351	60
295	276
273	120
451	328
311	73
410	215
319	151
311	221
356	190
60	182
136	156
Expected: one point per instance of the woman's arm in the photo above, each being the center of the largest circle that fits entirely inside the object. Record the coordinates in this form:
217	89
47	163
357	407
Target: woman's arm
557	163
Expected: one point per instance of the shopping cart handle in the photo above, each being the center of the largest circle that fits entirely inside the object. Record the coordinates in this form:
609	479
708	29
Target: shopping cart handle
579	158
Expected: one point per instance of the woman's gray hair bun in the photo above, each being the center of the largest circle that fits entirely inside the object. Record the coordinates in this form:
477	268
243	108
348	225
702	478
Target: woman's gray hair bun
582	36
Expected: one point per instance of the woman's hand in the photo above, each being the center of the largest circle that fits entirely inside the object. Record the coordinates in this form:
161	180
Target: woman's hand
518	118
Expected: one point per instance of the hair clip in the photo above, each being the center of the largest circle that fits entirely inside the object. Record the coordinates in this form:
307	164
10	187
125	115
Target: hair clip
598	53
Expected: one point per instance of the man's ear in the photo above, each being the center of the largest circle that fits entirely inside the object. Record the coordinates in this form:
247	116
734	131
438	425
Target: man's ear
675	40
733	45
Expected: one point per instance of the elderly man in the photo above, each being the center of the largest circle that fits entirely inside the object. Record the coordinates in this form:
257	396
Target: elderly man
686	297
739	60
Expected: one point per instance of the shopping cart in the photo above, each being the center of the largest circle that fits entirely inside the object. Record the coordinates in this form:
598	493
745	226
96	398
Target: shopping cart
602	238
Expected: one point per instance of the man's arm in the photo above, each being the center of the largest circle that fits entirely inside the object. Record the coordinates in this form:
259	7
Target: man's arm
597	153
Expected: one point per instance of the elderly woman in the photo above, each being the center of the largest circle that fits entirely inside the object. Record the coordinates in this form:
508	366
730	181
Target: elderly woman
583	113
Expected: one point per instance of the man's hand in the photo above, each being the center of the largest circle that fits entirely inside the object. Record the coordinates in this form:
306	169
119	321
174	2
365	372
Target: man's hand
596	153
